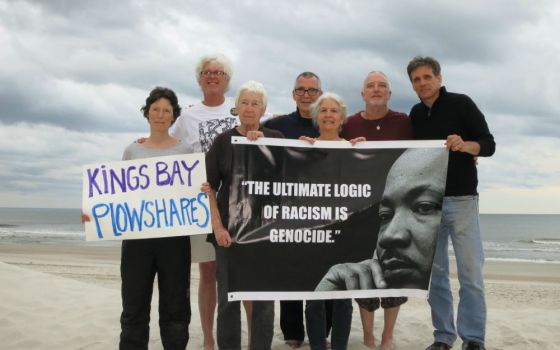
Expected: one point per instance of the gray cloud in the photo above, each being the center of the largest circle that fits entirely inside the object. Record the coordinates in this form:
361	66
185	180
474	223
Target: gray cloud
80	71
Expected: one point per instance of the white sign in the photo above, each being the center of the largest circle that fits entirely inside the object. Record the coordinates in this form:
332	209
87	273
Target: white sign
146	198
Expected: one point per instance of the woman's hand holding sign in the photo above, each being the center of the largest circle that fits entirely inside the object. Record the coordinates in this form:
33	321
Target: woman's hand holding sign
311	140
222	237
85	218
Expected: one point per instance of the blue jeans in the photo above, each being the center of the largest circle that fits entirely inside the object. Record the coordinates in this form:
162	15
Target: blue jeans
315	317
229	314
459	220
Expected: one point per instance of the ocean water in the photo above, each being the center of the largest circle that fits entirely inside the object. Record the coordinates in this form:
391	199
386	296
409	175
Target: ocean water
521	237
45	226
507	237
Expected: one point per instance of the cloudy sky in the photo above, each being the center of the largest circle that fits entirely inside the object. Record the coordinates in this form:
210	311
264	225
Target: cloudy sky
73	75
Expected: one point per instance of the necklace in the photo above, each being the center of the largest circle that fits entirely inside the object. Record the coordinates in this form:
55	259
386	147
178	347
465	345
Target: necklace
379	121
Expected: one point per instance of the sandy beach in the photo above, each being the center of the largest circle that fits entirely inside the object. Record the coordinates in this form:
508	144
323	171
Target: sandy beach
68	297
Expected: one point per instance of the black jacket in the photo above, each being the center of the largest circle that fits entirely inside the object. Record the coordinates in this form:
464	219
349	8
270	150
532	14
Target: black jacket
457	114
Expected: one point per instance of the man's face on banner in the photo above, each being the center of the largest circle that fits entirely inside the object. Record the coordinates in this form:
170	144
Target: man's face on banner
410	213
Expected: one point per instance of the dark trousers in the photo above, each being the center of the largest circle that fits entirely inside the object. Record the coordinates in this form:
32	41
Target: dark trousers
341	323
291	319
141	260
229	313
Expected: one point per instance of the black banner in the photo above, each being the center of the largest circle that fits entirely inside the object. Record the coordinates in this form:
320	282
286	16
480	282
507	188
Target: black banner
331	220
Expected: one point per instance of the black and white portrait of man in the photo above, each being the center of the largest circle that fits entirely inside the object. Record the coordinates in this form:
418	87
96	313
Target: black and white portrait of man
409	215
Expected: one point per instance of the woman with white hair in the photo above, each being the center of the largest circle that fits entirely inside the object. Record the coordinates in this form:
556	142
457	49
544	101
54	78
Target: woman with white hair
250	104
328	114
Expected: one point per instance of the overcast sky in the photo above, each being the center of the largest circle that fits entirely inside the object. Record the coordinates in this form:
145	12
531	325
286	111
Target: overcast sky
73	75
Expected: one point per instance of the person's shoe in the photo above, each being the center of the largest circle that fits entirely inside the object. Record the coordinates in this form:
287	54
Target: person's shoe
472	345
438	346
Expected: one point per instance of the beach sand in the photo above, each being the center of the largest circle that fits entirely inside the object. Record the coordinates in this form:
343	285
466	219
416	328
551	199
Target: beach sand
68	297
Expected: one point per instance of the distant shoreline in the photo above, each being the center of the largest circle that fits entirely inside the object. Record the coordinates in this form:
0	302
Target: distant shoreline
38	253
531	238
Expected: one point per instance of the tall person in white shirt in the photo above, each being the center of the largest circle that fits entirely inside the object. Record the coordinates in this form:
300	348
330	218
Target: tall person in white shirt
198	127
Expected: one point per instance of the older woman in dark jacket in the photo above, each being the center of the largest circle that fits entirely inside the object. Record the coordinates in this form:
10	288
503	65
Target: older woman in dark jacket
250	102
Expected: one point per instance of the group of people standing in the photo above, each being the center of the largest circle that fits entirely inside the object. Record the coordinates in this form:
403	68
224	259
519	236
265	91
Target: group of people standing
322	116
208	126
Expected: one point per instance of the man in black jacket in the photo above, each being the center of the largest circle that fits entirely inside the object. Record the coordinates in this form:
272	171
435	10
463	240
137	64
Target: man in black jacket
456	118
307	89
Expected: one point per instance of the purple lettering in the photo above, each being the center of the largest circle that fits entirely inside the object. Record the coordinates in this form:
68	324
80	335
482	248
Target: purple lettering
161	170
119	179
92	181
133	182
104	172
176	172
189	170
141	170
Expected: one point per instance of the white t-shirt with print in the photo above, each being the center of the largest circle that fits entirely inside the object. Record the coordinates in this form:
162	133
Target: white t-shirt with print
199	124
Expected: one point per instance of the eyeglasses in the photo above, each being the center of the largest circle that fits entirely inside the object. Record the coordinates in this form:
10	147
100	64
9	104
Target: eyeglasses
311	92
208	73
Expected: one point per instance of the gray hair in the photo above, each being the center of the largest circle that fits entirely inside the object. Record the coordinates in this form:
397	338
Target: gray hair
219	58
308	74
252	86
380	73
315	106
421	61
